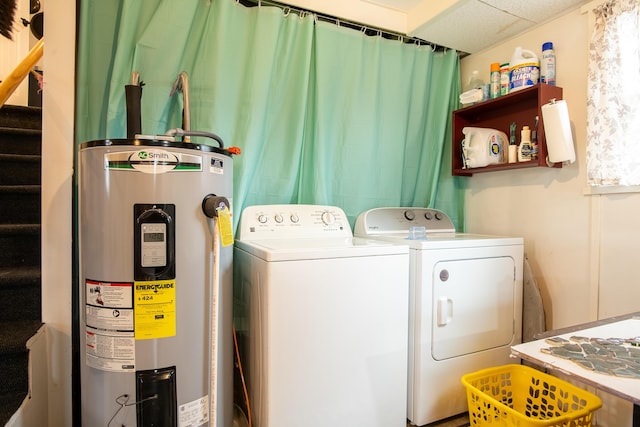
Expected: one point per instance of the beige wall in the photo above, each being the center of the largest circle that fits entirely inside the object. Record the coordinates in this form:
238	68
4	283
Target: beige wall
544	205
582	248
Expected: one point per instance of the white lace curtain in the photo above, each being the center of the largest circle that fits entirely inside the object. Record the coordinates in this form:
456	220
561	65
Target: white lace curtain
613	104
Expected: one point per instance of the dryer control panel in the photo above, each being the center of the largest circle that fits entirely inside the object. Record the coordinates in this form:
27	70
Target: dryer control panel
293	221
400	220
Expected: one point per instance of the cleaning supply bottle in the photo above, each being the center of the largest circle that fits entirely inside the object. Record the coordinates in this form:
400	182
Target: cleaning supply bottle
548	64
504	78
495	80
525	70
524	149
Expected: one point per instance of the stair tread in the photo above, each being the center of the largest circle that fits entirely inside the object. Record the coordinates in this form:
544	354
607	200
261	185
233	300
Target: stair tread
20	157
24	274
20	131
12	229
15	333
20	189
9	108
21	116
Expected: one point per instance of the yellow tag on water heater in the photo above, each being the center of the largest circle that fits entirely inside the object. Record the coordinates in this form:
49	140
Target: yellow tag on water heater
224	226
154	307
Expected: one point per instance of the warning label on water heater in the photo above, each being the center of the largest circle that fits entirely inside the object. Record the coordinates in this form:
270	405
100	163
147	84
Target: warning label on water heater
109	337
155	309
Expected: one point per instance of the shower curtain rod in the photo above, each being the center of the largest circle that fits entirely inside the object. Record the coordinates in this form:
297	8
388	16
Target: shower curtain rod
368	30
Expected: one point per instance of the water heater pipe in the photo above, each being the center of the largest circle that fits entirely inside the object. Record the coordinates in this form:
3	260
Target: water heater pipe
210	205
182	84
181	132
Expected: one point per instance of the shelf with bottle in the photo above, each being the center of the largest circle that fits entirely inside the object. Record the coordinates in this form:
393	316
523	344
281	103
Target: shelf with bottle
521	107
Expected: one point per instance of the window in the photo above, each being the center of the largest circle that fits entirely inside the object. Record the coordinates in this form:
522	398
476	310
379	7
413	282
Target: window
613	106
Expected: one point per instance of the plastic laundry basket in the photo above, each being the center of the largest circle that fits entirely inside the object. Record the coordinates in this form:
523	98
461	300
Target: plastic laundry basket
516	395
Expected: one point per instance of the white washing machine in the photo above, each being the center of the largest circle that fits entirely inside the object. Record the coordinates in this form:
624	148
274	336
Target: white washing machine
465	309
323	317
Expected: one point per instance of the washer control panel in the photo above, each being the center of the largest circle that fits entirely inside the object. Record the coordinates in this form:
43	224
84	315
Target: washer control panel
293	221
401	220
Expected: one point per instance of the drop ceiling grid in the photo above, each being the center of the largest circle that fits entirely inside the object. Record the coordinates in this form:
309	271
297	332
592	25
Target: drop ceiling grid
536	11
470	26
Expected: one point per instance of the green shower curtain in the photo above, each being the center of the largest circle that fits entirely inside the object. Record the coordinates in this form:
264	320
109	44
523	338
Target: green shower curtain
323	114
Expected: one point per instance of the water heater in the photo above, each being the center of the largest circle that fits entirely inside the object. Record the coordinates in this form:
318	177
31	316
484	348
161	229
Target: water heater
155	283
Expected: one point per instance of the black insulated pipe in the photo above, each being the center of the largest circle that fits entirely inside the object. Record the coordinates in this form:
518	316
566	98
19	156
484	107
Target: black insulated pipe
133	95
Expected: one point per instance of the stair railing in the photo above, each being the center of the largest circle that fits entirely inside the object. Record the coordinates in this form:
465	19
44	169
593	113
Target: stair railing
13	80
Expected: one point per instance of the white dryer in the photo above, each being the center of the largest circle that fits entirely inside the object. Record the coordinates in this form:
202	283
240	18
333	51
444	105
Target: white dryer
465	309
324	318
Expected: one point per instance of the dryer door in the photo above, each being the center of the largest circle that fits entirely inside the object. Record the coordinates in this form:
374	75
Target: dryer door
473	305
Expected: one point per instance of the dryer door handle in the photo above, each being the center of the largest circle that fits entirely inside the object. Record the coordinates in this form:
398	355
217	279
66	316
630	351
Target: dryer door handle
445	311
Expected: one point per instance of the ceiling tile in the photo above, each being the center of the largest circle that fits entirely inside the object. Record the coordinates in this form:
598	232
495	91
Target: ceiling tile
536	11
471	25
465	25
401	5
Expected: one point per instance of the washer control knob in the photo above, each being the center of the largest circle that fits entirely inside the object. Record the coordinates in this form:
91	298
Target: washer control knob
328	218
279	218
409	215
294	218
438	216
428	216
262	219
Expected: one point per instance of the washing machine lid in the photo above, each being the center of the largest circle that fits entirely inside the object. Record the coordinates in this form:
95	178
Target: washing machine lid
274	250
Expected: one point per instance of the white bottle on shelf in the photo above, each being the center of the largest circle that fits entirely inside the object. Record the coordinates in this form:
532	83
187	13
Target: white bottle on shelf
524	149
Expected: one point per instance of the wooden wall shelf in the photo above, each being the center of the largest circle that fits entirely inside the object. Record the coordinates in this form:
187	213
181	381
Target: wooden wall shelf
521	107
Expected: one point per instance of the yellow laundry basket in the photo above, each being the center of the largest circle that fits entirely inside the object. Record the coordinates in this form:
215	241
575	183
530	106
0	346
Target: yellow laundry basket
520	396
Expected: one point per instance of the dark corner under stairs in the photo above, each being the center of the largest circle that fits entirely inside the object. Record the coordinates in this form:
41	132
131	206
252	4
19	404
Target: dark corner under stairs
20	254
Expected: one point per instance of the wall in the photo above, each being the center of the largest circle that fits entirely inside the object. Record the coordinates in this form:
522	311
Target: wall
12	51
581	247
57	186
545	206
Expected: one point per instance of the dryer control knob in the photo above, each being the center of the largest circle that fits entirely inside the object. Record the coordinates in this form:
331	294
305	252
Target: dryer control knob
328	218
438	216
262	219
428	216
410	215
279	218
294	218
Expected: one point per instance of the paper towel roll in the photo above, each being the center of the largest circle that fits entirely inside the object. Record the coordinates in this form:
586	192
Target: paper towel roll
557	130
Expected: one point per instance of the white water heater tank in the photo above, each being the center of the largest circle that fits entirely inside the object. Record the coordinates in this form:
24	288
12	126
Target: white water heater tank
155	297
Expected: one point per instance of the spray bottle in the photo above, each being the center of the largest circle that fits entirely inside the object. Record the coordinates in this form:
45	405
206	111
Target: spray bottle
548	64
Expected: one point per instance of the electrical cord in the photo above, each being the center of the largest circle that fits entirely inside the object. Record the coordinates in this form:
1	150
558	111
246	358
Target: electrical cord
123	401
244	384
